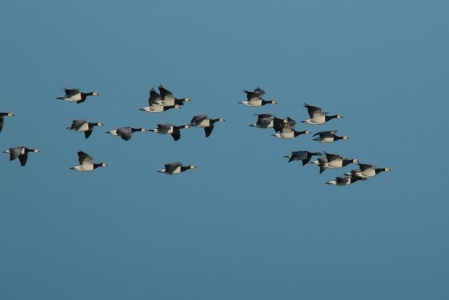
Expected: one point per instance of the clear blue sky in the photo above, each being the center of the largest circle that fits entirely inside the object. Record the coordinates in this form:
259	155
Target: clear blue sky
245	224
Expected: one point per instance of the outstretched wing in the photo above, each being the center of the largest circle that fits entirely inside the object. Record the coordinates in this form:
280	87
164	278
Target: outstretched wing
71	92
155	98
165	94
84	158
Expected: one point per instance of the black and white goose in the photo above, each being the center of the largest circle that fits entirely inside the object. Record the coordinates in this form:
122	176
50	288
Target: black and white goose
2	118
125	132
289	133
368	170
175	168
74	95
328	136
86	163
317	116
167	98
268	121
304	156
167	128
202	121
345	180
255	99
333	161
154	104
21	153
82	125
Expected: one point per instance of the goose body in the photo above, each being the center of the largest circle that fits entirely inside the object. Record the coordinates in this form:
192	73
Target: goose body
317	116
21	153
304	156
328	136
288	133
125	132
368	170
74	95
333	161
268	121
82	125
202	121
86	163
155	103
175	168
2	118
345	180
171	129
255	99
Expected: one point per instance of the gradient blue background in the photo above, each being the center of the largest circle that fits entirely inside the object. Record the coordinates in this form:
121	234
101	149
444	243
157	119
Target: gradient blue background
245	224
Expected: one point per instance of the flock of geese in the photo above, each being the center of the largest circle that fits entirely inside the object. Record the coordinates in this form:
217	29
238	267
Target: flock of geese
164	100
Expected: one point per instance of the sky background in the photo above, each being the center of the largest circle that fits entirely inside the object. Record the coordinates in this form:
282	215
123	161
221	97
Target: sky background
245	224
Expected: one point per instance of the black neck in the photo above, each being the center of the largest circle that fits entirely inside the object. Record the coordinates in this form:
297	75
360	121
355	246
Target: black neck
183	168
98	165
299	132
327	118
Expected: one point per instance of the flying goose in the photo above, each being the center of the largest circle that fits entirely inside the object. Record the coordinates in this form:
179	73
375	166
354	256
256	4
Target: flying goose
74	95
288	133
21	153
317	116
82	125
333	161
125	132
2	118
368	170
175	168
304	156
167	128
202	121
268	121
154	103
86	163
167	98
328	136
255	99
345	180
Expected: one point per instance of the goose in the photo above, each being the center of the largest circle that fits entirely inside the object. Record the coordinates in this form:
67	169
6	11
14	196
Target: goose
167	128
328	136
21	153
74	95
86	163
255	99
345	180
202	121
368	170
82	125
268	121
154	103
125	132
2	118
175	168
318	117
333	161
288	133
304	156
167	98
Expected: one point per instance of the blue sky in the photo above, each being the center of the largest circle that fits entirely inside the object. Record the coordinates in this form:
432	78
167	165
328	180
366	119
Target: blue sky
245	224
